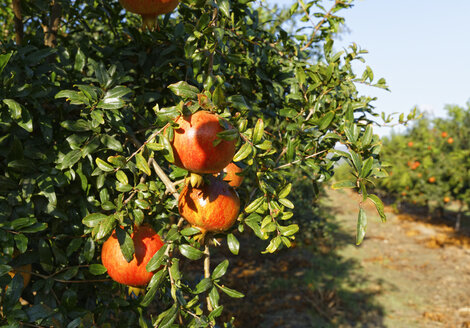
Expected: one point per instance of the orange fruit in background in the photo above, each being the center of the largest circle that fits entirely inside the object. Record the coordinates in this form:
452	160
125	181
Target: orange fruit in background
450	141
410	144
432	179
25	271
446	199
444	134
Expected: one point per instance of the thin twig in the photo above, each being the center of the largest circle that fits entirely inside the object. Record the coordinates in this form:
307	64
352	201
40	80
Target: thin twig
320	23
207	269
300	160
142	145
165	179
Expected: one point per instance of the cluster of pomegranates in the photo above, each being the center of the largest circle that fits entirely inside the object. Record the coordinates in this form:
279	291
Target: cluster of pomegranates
211	206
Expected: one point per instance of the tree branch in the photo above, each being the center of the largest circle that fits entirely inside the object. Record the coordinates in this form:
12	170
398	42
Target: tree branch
50	29
18	19
207	269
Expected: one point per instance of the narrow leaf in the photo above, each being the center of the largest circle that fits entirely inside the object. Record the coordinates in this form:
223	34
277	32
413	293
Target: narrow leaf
361	226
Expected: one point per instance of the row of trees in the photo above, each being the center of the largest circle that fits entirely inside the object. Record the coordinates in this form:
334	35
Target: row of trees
430	163
86	95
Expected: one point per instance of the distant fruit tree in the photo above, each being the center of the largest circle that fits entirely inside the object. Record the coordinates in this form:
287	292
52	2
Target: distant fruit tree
434	173
122	144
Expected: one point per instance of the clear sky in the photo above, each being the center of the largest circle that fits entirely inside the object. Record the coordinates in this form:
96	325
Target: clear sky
421	48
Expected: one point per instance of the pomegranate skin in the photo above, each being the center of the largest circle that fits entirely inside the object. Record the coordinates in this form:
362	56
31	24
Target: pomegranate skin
146	243
214	207
193	144
150	7
231	175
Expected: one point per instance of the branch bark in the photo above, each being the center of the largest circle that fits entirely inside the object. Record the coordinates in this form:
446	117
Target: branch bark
207	269
50	29
18	19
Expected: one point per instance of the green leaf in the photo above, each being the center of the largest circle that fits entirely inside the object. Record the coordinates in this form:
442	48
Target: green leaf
79	125
166	319
126	243
367	137
122	177
142	164
258	131
4	269
273	245
233	243
103	165
326	120
361	226
367	167
202	286
190	231
286	202
285	191
243	152
184	90
224	6
157	259
344	184
357	161
97	269
4	59
190	252
93	219
253	206
289	230
378	205
220	270
156	280
111	142
105	227
230	292
168	148
14	107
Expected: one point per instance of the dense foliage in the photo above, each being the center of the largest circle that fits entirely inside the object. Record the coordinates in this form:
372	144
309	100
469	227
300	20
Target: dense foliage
430	162
86	95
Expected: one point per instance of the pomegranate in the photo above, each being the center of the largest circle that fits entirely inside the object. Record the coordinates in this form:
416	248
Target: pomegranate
149	9
193	144
146	243
213	207
231	176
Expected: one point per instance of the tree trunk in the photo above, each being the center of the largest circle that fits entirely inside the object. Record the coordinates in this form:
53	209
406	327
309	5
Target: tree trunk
50	29
18	19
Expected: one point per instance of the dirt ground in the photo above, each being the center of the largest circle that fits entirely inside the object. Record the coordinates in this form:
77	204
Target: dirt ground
409	272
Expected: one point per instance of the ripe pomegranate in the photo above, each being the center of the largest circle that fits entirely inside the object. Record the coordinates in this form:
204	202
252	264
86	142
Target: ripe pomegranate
213	207
149	9
410	144
193	144
432	180
146	243
446	199
231	176
444	134
450	141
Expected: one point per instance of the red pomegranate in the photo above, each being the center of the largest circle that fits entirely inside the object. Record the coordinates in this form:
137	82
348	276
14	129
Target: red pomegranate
213	207
146	243
149	9
193	144
231	176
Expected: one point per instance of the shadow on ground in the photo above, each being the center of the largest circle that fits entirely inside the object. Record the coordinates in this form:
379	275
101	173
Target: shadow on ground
305	286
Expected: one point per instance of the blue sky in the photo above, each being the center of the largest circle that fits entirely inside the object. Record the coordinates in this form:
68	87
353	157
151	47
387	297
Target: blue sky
422	49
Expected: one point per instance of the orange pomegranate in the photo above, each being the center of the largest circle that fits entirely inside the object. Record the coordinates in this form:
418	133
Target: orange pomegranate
450	141
432	180
149	9
410	144
231	175
444	134
446	199
146	243
212	207
195	146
